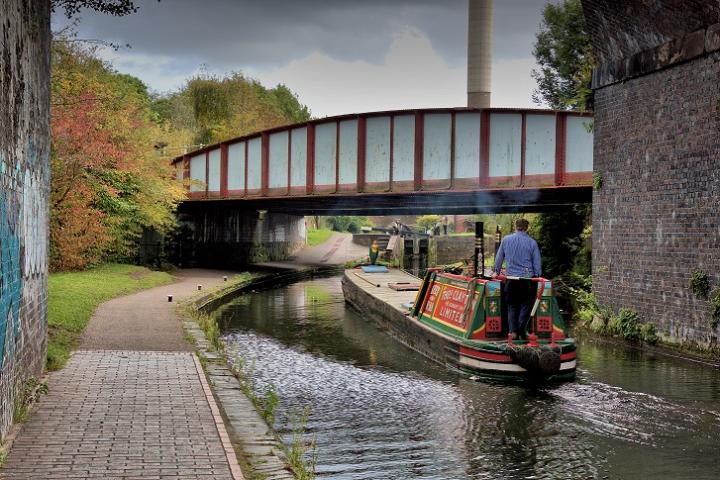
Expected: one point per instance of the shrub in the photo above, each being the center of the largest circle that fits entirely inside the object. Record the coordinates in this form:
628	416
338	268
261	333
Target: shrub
343	223
715	308
648	334
598	324
626	325
700	284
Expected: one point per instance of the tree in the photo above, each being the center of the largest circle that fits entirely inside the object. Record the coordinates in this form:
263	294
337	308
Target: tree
564	54
107	180
427	222
217	108
560	238
343	223
118	8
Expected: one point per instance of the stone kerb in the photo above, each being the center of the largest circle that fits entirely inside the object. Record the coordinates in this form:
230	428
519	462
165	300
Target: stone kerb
257	442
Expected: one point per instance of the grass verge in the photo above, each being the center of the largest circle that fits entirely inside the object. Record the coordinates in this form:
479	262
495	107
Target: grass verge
74	296
316	237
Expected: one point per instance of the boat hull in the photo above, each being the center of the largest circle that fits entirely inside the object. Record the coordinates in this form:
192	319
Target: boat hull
486	360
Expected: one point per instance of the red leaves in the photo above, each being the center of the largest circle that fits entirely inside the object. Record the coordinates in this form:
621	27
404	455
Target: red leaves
105	172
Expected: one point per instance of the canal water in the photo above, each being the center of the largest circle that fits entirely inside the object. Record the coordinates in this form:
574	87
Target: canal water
381	411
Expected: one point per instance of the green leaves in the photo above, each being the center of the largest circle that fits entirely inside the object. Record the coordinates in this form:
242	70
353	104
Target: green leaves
108	181
215	108
700	284
564	55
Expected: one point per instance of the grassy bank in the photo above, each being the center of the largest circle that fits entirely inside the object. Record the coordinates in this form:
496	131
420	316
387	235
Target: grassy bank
74	296
316	237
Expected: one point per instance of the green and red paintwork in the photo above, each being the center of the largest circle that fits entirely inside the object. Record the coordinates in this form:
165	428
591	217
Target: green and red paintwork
474	329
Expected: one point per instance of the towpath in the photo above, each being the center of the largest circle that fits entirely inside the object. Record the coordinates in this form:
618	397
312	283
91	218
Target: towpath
337	250
132	402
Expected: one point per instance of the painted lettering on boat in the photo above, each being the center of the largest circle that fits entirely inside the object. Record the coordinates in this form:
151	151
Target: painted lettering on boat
430	299
450	307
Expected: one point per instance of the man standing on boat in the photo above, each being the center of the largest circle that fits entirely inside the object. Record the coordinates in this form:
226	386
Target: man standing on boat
522	255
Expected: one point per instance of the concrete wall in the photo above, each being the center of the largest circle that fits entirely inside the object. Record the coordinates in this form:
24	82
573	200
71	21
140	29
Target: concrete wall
213	235
24	176
657	149
366	239
445	250
451	249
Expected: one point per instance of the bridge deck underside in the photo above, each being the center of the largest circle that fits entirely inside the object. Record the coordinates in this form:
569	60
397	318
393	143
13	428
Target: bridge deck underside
411	203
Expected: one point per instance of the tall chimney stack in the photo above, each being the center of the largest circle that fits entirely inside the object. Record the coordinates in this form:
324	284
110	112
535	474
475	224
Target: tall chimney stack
479	52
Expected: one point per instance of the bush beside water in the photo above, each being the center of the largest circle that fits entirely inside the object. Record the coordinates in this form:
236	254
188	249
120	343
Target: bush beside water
601	320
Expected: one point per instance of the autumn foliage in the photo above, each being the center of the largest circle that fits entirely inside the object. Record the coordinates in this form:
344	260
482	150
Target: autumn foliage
112	143
108	182
213	109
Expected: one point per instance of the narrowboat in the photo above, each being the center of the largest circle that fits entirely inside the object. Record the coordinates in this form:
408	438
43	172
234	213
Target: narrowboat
468	312
461	322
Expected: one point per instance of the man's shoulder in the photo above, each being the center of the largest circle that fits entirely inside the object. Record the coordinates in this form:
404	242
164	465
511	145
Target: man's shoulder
516	236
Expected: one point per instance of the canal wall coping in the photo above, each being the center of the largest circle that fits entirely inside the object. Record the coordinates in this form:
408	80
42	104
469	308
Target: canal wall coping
254	440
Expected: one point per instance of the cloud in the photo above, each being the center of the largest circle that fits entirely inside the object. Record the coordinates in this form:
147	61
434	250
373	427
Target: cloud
512	83
161	73
412	75
235	34
340	56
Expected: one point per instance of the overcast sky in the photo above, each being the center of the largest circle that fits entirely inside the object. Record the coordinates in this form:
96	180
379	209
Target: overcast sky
339	56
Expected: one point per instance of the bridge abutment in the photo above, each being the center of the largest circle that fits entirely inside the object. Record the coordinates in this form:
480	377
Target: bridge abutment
24	193
224	236
657	152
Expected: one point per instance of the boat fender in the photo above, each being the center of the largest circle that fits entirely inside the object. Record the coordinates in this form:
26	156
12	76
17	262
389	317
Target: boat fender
541	360
549	361
526	357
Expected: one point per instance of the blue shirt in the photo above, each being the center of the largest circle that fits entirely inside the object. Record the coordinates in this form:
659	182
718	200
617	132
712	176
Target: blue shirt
522	255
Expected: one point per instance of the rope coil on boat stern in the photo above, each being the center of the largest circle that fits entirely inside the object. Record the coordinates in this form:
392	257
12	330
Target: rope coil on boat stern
540	361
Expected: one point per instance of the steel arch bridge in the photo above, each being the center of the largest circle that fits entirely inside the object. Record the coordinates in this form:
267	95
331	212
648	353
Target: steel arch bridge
450	160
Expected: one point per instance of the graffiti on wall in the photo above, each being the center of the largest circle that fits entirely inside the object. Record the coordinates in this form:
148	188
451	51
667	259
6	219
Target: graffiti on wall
10	253
24	192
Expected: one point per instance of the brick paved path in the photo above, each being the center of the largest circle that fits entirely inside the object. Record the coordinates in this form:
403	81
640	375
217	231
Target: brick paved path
123	414
114	414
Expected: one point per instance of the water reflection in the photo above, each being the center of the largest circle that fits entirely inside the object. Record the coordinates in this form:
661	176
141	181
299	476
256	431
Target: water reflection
382	411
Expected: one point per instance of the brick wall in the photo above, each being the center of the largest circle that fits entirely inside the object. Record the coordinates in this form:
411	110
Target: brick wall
657	216
620	29
24	176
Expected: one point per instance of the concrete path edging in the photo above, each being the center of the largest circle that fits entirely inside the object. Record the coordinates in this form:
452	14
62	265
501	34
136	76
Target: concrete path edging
219	423
256	442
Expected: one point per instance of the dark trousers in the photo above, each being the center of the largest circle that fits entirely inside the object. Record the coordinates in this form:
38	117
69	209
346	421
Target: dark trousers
519	297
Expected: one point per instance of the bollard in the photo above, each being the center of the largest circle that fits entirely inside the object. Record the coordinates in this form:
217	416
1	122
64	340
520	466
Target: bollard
169	298
224	278
199	287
